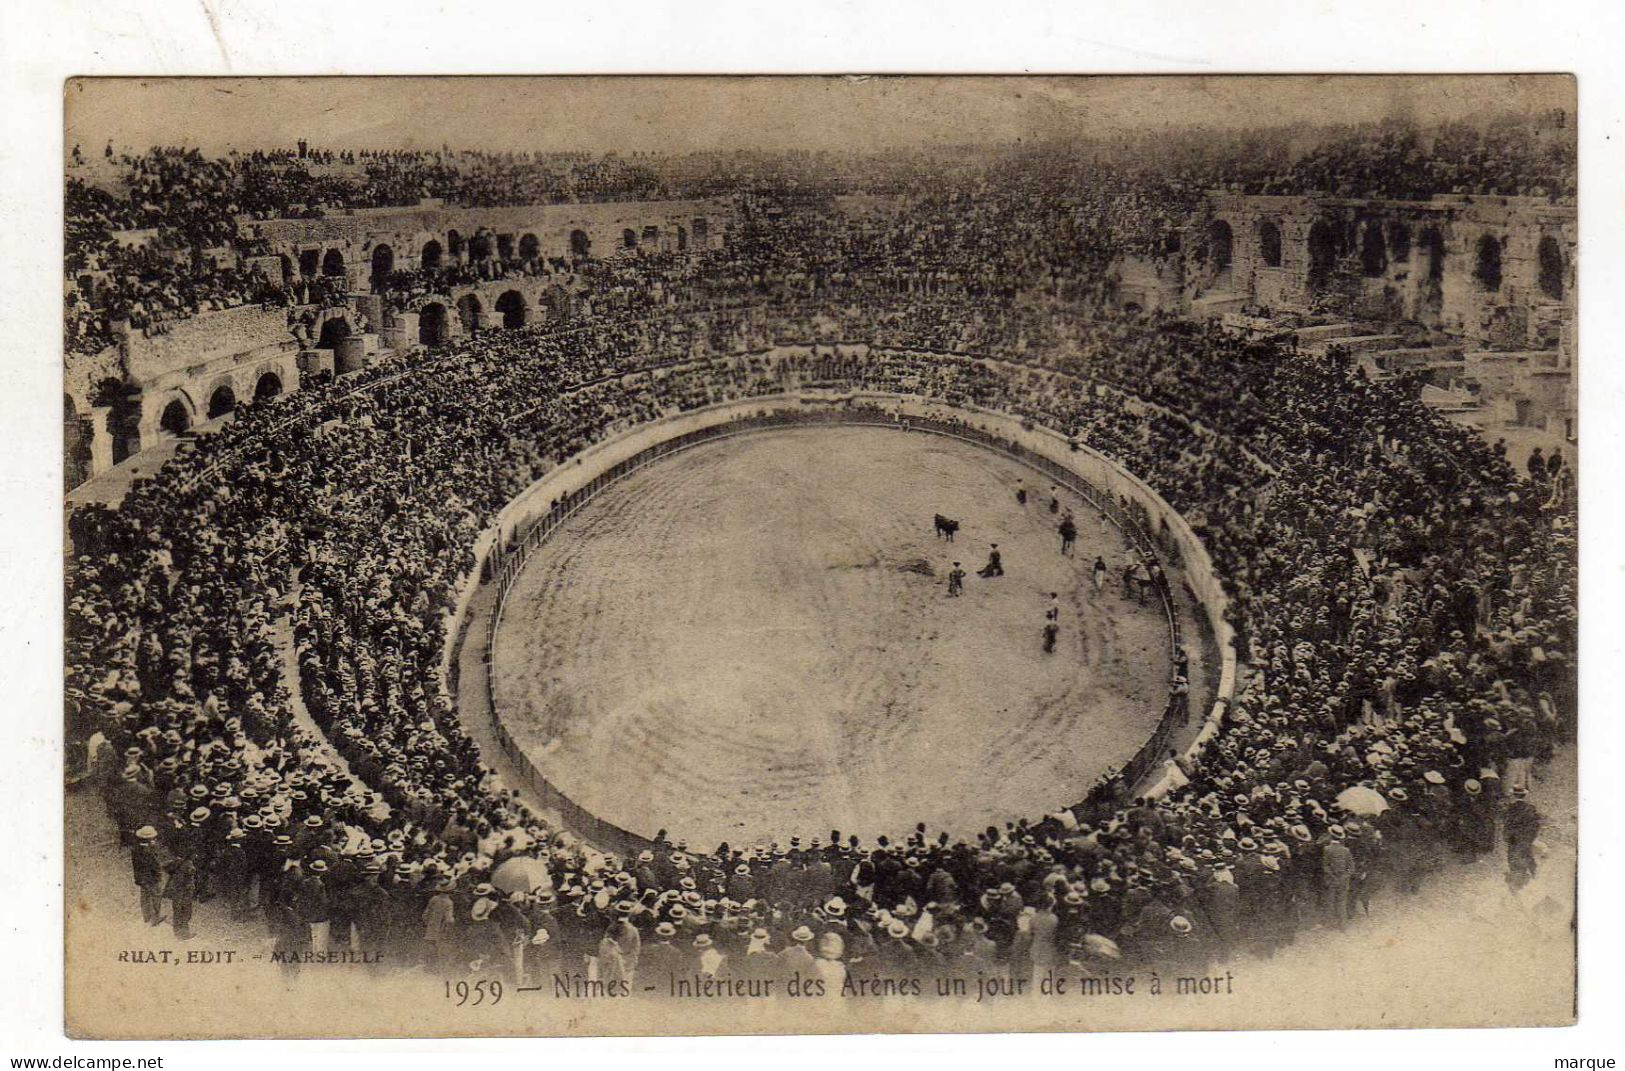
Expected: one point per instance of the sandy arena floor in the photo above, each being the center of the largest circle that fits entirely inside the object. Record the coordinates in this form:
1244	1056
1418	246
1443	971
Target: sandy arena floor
752	640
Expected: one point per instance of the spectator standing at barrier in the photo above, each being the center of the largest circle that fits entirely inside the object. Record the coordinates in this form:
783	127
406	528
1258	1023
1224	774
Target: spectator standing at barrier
149	874
1521	825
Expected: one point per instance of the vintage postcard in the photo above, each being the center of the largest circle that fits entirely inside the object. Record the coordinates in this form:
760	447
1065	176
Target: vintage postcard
612	555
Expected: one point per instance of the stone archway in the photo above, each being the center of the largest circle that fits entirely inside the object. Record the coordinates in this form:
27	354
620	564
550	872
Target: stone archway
512	307
176	419
1550	267
1373	251
629	238
429	256
222	402
268	386
530	248
1487	263
1221	252
1269	244
383	264
334	329
471	313
333	262
1324	249
454	244
434	327
580	244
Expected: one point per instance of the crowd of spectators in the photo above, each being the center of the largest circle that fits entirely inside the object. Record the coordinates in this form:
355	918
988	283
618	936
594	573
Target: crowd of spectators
156	235
1403	600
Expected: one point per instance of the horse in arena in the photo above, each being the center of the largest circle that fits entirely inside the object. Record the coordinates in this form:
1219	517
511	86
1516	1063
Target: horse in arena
946	527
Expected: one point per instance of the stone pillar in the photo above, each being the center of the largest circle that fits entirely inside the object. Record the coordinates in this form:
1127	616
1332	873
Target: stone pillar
401	332
101	439
350	355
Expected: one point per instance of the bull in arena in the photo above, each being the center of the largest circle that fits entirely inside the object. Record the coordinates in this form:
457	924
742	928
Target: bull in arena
946	527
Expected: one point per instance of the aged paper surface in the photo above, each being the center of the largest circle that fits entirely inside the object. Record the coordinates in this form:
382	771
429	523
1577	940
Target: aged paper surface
731	555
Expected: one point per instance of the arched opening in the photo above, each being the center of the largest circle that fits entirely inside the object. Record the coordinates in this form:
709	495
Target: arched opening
530	247
1399	243
333	263
1269	244
309	261
1220	244
505	246
383	263
76	436
287	267
176	418
479	246
222	401
629	239
682	238
432	325
454	244
1322	255
471	313
429	256
335	329
268	387
1487	264
580	244
702	231
1373	252
512	307
1432	250
651	237
1550	261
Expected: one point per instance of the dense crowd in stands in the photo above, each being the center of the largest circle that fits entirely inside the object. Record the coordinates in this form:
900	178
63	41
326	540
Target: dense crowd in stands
154	236
256	640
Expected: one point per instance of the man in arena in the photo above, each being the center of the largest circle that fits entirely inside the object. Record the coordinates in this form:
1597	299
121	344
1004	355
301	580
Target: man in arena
994	566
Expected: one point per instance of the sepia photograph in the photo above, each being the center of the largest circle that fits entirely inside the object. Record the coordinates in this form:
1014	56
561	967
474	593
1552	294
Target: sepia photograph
627	555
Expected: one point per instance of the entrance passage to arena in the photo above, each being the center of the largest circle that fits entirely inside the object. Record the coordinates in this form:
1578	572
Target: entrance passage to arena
471	313
512	307
1487	264
383	263
1550	256
433	329
176	418
1373	251
222	401
269	386
1269	244
1324	249
335	329
1221	247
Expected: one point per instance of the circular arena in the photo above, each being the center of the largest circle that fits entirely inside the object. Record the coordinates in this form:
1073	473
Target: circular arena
752	640
559	632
